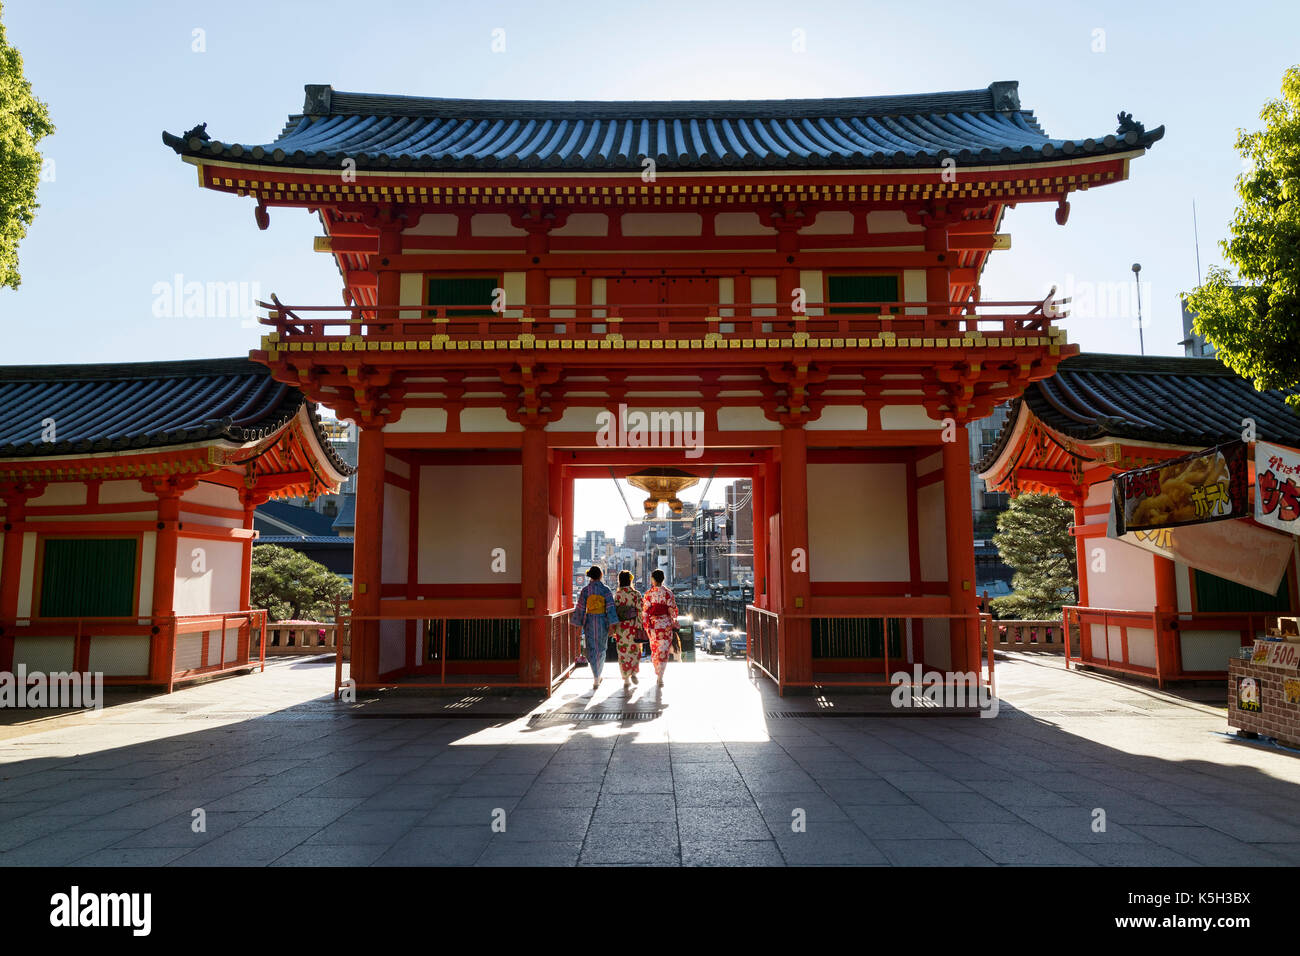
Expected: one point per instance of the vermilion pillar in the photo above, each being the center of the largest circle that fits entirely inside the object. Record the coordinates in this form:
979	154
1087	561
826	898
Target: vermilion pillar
965	641
534	654
164	579
796	632
1166	575
566	542
758	512
15	498
367	552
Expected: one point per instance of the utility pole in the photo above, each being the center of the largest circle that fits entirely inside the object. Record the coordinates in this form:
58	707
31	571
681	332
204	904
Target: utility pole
1137	277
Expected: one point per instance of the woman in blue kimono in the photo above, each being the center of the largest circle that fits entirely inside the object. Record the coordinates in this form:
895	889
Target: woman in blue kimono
595	615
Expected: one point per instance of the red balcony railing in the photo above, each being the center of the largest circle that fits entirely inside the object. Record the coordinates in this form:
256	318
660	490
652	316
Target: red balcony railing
1029	320
192	645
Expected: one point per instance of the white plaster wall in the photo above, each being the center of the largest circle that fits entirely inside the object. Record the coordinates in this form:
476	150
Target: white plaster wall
116	491
27	574
1098	494
857	522
148	544
124	656
1208	650
840	418
1183	583
61	494
1128	582
392	645
906	417
493	224
411	292
662	224
762	289
397	466
891	221
932	533
1141	645
914	289
434	224
516	287
465	512
836	223
745	419
740	224
584	224
45	654
213	495
397	535
931	463
564	291
420	420
215	588
487	420
938	644
810	280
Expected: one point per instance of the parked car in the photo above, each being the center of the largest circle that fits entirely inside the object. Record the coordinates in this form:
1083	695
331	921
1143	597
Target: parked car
737	644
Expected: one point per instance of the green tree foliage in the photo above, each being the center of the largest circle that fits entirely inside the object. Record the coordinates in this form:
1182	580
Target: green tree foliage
24	122
1253	321
293	587
1034	539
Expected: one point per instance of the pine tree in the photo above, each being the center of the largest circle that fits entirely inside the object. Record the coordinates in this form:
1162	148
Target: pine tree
293	587
1034	539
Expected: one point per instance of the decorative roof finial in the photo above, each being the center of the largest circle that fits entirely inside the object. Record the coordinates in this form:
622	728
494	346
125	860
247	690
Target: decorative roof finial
198	132
1126	123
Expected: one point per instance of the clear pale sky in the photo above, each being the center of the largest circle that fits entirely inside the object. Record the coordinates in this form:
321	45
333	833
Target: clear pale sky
124	214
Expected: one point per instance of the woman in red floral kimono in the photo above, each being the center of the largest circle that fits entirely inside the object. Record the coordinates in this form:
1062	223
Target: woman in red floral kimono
627	603
660	616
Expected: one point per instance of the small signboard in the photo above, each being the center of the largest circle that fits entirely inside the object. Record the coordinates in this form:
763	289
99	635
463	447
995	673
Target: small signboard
1248	694
1209	485
1277	654
1291	690
1277	487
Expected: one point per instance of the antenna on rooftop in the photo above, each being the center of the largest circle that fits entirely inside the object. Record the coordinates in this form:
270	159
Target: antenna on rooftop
1196	241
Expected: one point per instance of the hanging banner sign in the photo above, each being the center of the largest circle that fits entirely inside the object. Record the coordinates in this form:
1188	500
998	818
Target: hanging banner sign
1235	550
1277	487
1209	485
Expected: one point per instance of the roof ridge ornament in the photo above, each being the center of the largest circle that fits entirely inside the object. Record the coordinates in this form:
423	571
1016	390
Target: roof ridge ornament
1006	94
318	100
199	132
1127	123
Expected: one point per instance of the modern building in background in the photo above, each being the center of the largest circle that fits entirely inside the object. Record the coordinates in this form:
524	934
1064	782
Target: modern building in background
992	576
321	527
1194	346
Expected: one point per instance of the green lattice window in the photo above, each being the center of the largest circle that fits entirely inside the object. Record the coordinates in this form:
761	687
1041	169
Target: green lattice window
463	291
88	577
870	288
1217	594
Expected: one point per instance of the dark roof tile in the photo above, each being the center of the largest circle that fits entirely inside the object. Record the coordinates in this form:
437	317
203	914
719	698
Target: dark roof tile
1194	402
913	130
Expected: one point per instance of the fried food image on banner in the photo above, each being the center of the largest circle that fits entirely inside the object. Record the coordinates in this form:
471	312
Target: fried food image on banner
1175	502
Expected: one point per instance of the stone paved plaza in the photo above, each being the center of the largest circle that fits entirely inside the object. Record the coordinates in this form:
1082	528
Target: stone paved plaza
716	771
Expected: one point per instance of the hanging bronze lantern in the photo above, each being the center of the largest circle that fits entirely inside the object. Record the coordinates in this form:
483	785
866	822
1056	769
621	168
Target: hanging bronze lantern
662	485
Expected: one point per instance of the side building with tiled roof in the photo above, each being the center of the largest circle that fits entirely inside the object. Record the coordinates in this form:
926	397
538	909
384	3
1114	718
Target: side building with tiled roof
1101	415
128	494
